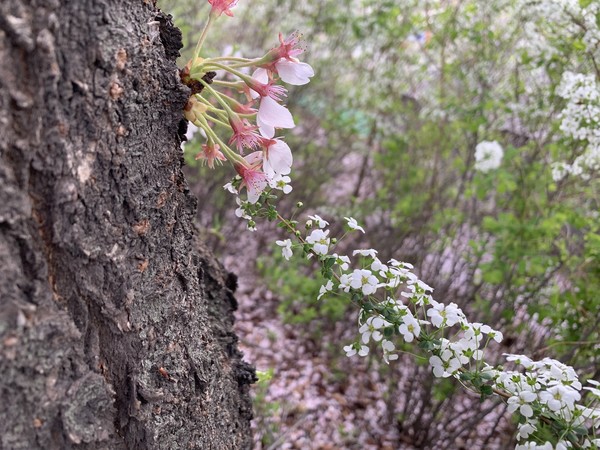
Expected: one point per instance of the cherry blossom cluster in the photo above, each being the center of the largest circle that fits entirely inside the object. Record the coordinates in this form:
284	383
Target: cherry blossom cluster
396	308
247	108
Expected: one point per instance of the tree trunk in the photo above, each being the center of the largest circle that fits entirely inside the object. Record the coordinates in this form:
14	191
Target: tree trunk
115	325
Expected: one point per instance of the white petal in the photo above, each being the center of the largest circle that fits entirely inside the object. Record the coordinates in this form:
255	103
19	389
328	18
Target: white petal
272	113
261	76
296	73
526	410
255	188
267	131
254	158
280	158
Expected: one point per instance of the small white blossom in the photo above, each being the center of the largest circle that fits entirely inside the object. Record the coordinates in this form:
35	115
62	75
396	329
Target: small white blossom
230	188
286	248
559	397
524	430
445	366
319	240
520	359
444	315
378	266
521	402
328	287
488	156
368	252
388	348
353	349
365	280
370	329
534	446
342	260
319	222
410	328
353	225
281	182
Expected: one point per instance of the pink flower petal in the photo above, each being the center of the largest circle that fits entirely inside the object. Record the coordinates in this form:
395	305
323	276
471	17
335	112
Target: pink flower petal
296	73
278	159
272	113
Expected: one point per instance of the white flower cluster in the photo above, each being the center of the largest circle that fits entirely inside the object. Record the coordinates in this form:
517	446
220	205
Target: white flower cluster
581	116
574	21
580	119
488	156
550	389
568	17
396	304
396	284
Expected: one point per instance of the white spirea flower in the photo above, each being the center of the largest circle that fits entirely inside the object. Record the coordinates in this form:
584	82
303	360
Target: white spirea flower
318	220
444	315
580	120
444	366
353	225
525	429
488	156
281	182
365	280
327	287
286	248
368	252
521	402
370	329
319	240
410	328
355	348
230	188
534	446
343	261
388	347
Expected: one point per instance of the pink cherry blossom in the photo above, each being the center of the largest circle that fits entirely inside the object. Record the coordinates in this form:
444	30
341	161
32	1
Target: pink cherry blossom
271	114
244	134
282	61
288	48
210	153
253	179
222	6
266	89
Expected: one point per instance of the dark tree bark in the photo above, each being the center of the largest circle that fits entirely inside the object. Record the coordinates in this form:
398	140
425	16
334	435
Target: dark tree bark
115	325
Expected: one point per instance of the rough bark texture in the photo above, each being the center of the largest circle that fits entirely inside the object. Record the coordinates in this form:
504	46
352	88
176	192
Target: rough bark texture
115	326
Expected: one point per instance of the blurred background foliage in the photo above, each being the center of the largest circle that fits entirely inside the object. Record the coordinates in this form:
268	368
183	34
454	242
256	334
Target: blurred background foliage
387	129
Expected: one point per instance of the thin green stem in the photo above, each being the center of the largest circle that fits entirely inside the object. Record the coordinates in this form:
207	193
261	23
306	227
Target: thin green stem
202	39
204	67
231	84
219	98
213	109
244	61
